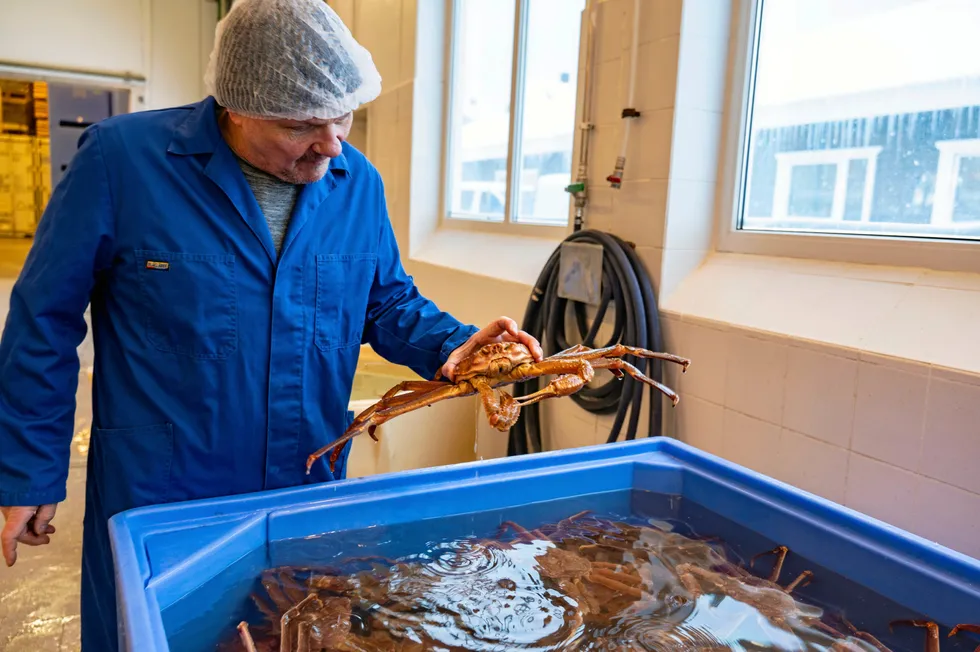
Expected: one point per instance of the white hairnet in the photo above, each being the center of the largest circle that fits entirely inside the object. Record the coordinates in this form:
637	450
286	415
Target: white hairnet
289	59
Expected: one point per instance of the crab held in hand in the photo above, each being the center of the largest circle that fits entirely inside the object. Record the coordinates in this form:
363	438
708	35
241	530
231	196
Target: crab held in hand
493	366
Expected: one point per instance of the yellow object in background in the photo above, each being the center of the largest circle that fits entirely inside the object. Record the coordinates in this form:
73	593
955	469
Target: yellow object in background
25	156
25	182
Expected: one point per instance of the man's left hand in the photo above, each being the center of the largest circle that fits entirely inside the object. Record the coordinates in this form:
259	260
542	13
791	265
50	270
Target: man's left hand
503	329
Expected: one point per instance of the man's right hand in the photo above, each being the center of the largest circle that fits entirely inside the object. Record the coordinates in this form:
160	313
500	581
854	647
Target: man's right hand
29	525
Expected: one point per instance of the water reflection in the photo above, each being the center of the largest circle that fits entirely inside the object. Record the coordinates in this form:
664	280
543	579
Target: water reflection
583	583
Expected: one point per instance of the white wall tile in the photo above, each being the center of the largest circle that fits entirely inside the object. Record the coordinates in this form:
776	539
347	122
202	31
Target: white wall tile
678	265
695	146
375	22
670	324
820	395
702	64
659	18
889	413
604	146
566	425
649	146
812	465
827	349
708	18
609	93
954	375
613	30
881	491
652	258
490	442
947	514
640	207
951	442
423	34
750	442
700	424
708	350
656	74
690	215
407	37
755	376
926	324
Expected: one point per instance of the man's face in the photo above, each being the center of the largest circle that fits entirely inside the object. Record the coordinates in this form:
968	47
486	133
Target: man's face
296	152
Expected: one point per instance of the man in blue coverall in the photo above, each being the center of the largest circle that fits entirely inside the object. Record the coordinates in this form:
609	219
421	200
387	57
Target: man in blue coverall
235	253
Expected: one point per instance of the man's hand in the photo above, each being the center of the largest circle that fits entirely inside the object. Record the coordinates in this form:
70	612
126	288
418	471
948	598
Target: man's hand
28	525
503	329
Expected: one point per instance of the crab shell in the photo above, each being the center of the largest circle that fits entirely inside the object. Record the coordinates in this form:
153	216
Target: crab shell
494	359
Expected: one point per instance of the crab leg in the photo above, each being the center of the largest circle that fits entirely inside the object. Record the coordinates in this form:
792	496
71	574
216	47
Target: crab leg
246	637
610	583
377	414
864	636
413	386
296	610
613	575
780	552
391	400
501	414
932	637
572	375
618	350
619	366
966	628
522	533
804	577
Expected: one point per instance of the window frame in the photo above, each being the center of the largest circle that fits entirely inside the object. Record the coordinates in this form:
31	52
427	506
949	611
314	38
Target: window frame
487	223
927	251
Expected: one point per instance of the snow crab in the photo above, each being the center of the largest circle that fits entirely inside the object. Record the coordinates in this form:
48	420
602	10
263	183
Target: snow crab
932	632
493	366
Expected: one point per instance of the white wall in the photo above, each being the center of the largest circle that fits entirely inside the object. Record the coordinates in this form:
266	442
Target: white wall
180	38
771	387
165	41
96	35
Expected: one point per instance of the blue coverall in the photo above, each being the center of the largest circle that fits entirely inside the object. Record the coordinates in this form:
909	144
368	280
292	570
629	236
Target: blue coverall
218	368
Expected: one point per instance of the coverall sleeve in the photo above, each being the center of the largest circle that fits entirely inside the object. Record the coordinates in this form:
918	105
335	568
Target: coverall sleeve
38	350
402	325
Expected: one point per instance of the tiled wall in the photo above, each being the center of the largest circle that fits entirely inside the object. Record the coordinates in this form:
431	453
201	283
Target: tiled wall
889	438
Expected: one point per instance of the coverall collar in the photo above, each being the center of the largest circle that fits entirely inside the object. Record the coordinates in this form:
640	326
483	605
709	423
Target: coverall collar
199	133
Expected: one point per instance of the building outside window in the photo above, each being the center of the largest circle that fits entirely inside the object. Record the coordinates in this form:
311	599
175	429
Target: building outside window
863	118
510	136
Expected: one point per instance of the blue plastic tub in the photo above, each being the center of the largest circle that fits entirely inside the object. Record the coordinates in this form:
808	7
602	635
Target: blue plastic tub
164	555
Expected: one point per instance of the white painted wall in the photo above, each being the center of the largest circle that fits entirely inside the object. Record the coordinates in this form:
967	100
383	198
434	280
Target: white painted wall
165	41
96	35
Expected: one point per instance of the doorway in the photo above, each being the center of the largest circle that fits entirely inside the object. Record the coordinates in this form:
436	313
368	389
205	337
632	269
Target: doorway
40	124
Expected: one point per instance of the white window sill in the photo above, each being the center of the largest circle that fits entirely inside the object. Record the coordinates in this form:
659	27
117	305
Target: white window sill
915	314
505	257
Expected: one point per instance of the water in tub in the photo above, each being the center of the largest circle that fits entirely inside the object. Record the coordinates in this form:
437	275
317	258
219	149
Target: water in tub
625	570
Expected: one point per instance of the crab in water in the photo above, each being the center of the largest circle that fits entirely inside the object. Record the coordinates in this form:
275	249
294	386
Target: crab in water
495	365
932	631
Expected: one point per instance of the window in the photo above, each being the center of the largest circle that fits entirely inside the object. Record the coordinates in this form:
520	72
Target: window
861	118
511	127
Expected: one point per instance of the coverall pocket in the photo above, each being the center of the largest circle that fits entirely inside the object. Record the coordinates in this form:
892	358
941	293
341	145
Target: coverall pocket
135	465
191	302
343	284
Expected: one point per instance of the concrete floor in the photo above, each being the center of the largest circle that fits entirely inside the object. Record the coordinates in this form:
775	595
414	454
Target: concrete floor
39	595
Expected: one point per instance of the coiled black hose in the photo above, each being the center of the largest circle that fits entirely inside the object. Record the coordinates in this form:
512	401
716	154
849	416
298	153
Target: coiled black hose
626	285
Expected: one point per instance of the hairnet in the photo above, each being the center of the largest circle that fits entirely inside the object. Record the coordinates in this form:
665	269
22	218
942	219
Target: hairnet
291	59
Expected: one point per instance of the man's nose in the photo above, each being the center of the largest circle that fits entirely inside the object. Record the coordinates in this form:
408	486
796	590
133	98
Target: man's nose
329	143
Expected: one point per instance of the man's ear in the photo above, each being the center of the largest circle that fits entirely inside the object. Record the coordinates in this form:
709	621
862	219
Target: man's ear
236	118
